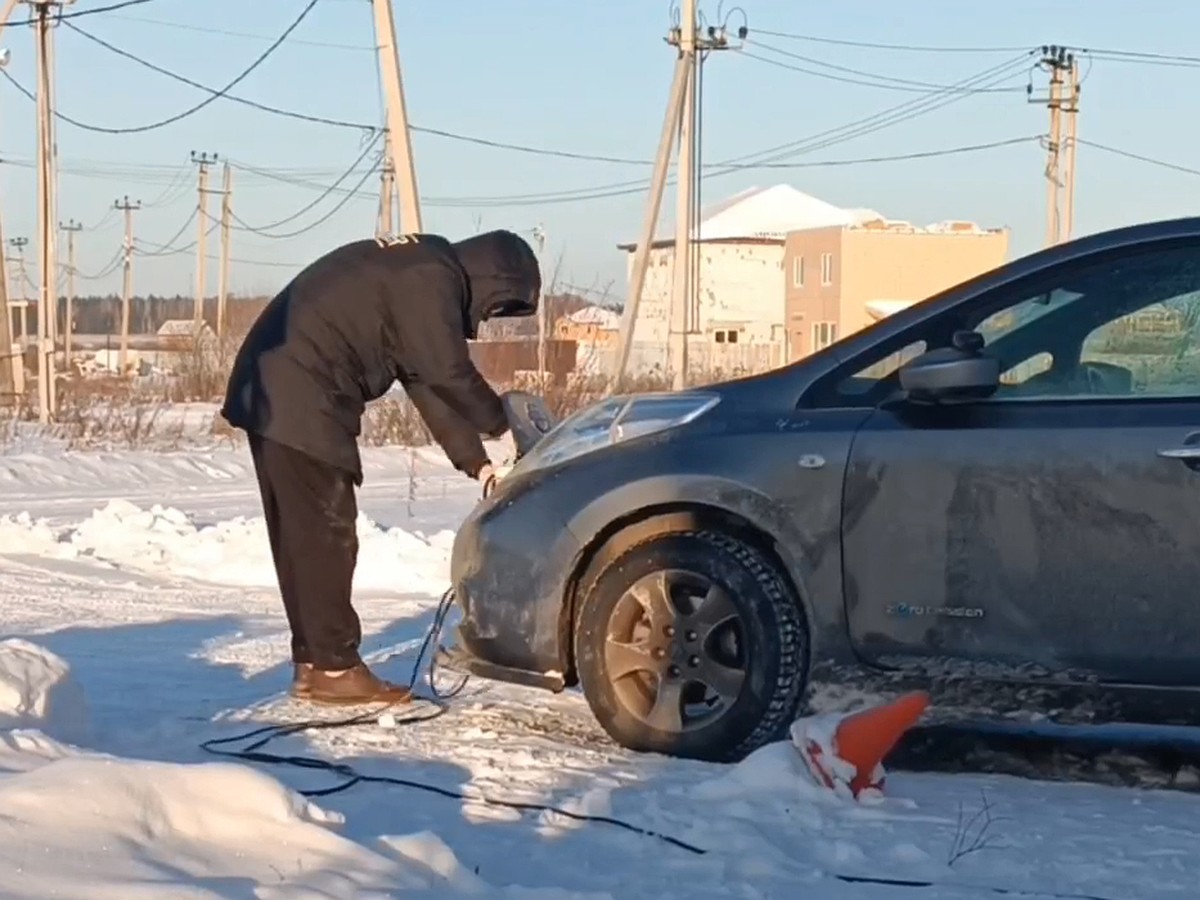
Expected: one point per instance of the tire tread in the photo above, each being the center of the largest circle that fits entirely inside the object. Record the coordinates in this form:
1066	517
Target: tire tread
787	693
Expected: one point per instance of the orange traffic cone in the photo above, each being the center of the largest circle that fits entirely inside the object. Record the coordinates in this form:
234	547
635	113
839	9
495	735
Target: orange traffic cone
860	741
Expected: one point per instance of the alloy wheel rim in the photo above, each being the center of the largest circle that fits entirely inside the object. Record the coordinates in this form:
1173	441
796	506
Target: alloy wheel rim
675	650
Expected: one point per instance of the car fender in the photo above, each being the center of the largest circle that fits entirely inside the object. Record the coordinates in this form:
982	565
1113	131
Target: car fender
655	500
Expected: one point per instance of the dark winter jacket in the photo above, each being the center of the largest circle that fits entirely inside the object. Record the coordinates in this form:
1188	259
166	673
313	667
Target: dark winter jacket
371	313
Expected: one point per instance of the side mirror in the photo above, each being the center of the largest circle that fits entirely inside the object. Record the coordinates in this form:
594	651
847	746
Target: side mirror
956	374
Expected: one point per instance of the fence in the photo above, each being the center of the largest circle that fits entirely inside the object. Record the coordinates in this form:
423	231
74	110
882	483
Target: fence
706	360
500	361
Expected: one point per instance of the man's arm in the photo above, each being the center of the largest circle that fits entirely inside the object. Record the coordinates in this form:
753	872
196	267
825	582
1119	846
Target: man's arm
459	441
429	311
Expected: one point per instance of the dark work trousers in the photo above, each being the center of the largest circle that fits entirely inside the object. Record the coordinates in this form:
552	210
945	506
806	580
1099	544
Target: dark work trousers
311	514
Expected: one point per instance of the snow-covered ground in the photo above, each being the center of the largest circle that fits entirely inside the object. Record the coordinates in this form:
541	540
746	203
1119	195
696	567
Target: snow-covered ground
139	607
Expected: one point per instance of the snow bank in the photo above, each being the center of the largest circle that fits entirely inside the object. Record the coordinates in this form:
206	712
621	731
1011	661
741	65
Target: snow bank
128	827
75	823
234	552
39	469
37	690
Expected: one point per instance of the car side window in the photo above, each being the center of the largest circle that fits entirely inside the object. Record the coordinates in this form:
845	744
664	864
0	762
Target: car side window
1124	325
866	379
1122	329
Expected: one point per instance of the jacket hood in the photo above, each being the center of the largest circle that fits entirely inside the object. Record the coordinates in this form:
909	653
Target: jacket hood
502	275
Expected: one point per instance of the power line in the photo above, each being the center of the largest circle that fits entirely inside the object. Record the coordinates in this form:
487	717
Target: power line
203	103
164	249
188	248
262	230
1140	158
339	123
332	212
472	139
278	175
903	112
532	200
205	29
916	48
1142	59
886	82
95	10
1113	55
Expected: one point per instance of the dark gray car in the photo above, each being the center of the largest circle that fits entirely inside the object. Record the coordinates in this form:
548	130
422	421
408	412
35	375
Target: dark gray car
993	494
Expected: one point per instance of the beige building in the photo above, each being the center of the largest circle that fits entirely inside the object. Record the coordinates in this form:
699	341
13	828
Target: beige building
592	326
840	279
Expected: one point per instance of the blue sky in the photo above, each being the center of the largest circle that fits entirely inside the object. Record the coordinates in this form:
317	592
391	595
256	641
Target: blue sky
587	78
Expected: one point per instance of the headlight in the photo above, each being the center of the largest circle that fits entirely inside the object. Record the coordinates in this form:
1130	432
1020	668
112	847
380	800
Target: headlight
615	420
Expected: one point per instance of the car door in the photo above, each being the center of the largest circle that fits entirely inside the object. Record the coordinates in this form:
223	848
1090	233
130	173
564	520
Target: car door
1053	530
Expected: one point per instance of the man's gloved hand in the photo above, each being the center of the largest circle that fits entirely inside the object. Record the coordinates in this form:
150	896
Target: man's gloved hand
489	476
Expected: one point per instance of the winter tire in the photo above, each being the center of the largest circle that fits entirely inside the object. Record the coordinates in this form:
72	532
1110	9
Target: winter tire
692	645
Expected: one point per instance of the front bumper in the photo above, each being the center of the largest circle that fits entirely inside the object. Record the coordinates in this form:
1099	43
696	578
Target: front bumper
510	567
461	660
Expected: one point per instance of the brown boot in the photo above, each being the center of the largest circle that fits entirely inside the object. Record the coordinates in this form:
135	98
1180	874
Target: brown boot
352	686
302	681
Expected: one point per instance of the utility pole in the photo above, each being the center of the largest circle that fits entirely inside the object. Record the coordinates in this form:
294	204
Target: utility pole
202	161
47	217
681	286
387	190
678	126
1062	99
12	378
10	375
399	139
1071	108
20	243
539	235
128	208
226	228
71	228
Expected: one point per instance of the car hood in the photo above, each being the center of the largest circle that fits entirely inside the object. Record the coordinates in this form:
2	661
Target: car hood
530	419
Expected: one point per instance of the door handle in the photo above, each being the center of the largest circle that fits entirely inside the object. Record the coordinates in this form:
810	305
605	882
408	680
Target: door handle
1185	453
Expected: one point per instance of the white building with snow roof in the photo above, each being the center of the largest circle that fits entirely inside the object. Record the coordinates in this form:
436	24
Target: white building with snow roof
740	296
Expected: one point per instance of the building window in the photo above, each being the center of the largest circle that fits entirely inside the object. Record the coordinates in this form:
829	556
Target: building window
726	336
824	334
826	268
798	272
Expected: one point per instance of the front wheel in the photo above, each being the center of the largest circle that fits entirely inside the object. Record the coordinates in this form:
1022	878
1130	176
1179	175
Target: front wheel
692	645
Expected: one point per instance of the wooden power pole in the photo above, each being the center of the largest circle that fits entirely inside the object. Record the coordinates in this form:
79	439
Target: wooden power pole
47	217
71	228
399	139
127	282
11	369
679	125
387	191
1062	100
539	235
1071	108
226	229
19	244
202	161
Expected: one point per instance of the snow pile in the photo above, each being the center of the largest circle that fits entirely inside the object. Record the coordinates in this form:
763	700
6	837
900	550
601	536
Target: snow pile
76	823
232	552
37	690
130	827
